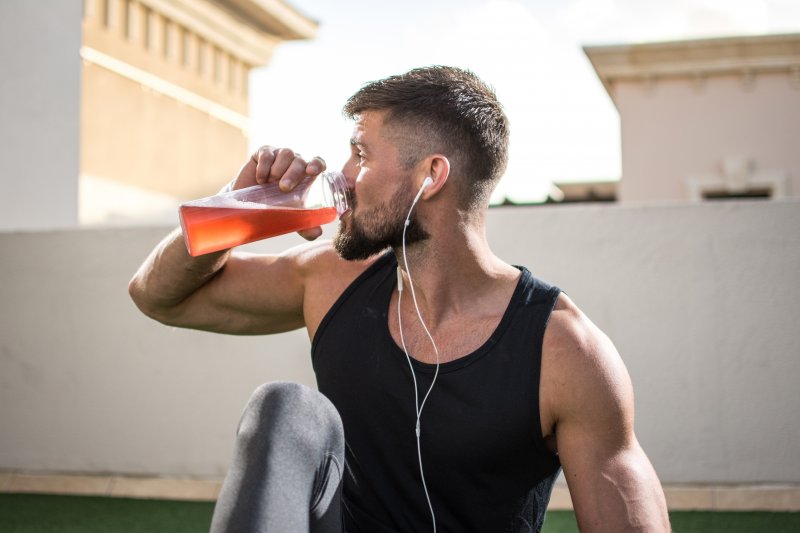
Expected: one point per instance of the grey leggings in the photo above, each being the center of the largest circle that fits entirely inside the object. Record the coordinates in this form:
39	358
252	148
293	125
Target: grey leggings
287	466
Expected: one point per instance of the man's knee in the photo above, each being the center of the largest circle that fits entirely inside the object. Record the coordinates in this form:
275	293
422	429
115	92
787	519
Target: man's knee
294	413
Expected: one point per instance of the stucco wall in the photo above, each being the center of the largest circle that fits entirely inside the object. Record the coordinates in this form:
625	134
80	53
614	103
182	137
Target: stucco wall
676	128
702	302
39	98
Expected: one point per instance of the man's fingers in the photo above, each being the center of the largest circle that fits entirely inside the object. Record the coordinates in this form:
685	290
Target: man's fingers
264	158
293	175
311	233
283	160
315	166
285	166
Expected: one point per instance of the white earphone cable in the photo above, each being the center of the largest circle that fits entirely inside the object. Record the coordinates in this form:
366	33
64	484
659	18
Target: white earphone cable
417	405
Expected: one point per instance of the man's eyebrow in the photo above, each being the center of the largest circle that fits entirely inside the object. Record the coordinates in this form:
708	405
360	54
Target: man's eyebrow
355	142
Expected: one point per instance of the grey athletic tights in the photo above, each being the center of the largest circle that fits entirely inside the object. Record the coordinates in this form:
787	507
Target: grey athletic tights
287	465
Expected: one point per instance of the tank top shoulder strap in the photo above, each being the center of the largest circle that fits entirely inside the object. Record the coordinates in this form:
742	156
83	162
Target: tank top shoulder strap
373	274
536	300
537	293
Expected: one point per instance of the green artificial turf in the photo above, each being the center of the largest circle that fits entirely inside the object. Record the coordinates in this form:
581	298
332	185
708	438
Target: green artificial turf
699	522
36	513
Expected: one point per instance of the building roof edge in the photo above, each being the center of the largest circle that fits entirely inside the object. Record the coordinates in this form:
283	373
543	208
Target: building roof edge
695	57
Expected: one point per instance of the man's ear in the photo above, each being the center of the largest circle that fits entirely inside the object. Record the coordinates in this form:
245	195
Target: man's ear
437	168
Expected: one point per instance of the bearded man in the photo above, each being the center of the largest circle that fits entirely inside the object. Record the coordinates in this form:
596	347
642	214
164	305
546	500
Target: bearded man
453	407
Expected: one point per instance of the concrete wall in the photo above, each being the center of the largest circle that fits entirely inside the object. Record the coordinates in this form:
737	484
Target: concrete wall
39	99
676	129
701	300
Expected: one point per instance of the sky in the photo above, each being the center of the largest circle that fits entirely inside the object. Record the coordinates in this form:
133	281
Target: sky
564	126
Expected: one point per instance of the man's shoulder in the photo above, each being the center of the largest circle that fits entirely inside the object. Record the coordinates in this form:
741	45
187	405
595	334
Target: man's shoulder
326	276
319	260
581	369
571	332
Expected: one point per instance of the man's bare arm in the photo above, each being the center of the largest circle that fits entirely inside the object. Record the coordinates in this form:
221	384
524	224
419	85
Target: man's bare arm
224	292
589	403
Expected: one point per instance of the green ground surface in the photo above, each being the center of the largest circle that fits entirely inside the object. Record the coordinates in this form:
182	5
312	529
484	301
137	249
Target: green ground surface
34	513
699	522
79	514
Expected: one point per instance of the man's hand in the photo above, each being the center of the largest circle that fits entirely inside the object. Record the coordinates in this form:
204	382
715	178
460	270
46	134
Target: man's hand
283	166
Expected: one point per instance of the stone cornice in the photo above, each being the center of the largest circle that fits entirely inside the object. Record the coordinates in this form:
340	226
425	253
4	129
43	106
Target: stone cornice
246	28
275	16
746	55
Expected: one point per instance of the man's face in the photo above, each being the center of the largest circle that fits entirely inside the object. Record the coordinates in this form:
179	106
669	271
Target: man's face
381	195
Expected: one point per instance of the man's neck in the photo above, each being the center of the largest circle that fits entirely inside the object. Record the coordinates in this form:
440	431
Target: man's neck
453	271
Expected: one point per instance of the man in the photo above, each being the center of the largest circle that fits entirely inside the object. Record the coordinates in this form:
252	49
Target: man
512	381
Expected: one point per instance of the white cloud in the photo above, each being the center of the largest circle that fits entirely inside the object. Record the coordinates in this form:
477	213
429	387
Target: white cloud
655	20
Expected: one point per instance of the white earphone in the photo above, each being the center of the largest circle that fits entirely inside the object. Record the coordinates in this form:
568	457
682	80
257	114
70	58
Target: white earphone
418	406
427	182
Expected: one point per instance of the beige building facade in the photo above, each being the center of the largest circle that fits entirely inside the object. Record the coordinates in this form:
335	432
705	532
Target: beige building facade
115	110
706	119
164	96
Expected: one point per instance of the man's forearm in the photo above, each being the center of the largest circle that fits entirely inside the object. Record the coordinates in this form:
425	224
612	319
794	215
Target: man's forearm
170	275
620	494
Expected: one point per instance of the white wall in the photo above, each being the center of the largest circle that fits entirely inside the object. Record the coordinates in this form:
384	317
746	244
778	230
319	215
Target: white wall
677	128
87	383
39	106
702	301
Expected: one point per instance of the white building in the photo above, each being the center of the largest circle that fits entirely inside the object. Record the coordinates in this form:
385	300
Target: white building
705	119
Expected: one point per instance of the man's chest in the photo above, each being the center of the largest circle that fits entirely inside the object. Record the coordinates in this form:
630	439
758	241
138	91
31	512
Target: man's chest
459	336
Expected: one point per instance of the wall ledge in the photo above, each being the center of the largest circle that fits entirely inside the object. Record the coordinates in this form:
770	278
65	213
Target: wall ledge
683	497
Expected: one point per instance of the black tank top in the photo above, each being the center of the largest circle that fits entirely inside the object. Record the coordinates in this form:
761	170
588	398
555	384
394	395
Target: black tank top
485	462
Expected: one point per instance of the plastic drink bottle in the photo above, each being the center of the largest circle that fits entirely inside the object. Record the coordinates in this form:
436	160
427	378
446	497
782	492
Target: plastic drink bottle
245	215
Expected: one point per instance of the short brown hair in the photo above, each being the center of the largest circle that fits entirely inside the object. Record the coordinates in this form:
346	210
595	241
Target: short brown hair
444	110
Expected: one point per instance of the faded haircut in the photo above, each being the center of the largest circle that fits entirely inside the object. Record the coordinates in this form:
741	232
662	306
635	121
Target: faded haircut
444	110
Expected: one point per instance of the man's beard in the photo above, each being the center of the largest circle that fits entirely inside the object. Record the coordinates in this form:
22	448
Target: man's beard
380	228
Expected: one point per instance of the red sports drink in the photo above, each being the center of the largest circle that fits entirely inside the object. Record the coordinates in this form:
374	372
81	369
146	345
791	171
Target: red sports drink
261	211
210	229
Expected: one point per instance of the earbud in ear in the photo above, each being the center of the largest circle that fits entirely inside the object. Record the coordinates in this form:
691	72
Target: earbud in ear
425	184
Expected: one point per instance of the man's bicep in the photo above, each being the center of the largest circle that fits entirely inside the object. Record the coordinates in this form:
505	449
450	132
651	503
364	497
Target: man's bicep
594	436
251	295
611	481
